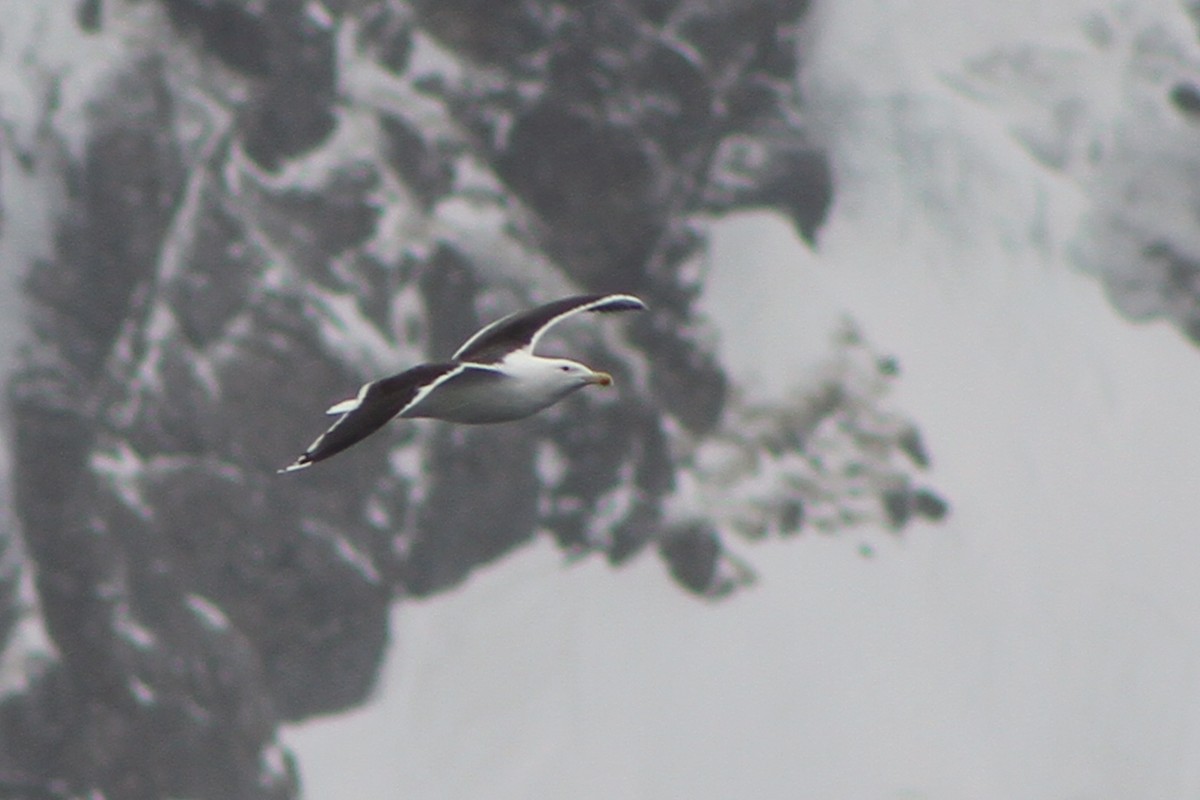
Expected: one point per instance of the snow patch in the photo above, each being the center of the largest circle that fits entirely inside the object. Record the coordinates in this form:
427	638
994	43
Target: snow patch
122	468
27	653
212	616
612	508
131	630
142	693
354	338
319	14
407	463
549	463
343	548
274	764
377	515
371	85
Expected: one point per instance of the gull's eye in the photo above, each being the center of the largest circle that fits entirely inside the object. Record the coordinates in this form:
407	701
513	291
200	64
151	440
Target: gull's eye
565	368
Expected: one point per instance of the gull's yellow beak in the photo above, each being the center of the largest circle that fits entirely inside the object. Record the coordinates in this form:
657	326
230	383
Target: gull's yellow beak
601	379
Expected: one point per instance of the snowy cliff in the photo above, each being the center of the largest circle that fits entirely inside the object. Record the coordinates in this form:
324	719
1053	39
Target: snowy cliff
1012	218
220	216
892	253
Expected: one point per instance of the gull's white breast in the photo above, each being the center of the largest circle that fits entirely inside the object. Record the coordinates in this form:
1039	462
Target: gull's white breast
521	386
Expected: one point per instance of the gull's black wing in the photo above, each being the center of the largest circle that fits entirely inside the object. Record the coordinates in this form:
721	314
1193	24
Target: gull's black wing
377	403
521	331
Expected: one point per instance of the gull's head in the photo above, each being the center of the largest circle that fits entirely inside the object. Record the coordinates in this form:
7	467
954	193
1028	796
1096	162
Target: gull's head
576	375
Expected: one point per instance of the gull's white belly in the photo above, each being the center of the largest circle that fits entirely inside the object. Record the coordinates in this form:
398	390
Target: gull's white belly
476	401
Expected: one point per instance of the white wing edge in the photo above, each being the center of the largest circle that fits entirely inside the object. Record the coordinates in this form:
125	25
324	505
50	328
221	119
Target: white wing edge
595	305
347	406
343	407
582	307
482	332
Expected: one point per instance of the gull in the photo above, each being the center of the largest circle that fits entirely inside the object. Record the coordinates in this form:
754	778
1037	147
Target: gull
493	377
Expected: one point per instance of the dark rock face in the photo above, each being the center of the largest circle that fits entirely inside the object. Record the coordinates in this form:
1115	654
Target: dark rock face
233	254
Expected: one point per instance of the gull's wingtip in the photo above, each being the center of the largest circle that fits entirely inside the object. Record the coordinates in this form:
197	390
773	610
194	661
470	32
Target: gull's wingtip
621	302
297	465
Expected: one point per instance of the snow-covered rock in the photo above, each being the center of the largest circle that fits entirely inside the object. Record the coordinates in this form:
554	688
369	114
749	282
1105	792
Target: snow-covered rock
240	210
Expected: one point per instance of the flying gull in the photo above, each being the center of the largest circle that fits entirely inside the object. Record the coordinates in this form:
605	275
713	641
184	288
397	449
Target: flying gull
493	377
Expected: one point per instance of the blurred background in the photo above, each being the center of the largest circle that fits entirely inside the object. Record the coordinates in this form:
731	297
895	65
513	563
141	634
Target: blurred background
894	496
